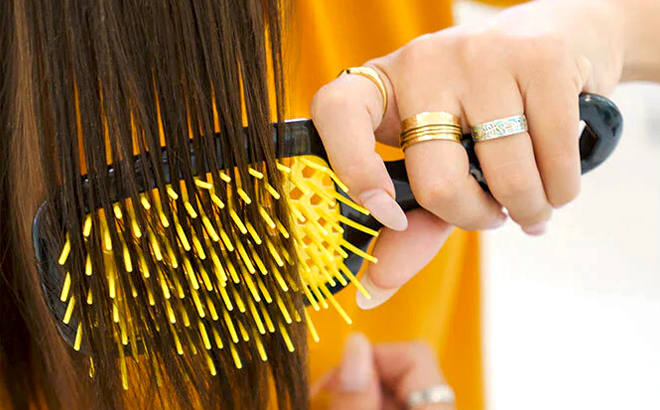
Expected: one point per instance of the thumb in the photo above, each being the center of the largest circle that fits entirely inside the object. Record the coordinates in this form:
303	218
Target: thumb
356	386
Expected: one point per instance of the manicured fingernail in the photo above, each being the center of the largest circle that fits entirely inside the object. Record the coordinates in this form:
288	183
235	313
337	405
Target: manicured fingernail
384	208
536	229
356	364
378	294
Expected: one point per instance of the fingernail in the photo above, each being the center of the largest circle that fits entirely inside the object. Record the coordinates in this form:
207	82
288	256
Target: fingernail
378	294
356	364
536	229
384	208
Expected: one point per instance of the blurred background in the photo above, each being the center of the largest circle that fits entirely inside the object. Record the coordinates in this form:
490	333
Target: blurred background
572	319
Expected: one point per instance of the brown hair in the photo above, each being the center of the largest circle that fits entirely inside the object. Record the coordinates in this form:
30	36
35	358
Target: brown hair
78	80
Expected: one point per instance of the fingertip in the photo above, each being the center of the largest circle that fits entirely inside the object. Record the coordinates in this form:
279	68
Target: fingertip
356	364
384	208
378	295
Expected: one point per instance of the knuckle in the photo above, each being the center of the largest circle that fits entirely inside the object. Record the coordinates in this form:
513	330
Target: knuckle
441	191
513	183
326	98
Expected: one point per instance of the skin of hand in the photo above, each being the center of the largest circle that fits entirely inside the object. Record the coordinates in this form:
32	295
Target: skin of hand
379	377
533	59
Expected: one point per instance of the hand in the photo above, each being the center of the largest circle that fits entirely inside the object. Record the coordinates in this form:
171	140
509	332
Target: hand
380	376
533	59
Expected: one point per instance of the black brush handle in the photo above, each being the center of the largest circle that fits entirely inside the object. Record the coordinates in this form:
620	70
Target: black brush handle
600	137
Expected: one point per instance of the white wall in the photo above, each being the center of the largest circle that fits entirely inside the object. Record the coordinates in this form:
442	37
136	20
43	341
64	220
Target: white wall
572	319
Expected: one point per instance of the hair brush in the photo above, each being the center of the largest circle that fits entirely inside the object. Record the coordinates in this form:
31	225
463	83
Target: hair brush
217	285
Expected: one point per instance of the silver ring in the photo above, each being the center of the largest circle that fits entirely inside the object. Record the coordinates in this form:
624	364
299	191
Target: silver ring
438	394
500	128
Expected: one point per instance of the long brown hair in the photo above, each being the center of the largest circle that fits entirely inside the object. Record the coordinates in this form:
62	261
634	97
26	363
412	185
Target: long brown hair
79	79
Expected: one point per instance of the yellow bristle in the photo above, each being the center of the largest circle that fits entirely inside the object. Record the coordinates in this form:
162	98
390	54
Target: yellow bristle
203	184
267	319
232	273
92	370
319	296
311	298
122	367
199	249
283	168
259	262
225	177
64	295
166	289
90	298
127	259
205	336
87	226
237	359
212	309
177	342
205	278
244	333
285	336
234	216
244	257
182	235
357	226
136	228
115	313
260	348
190	273
170	312
112	286
354	281
78	339
335	304
311	328
225	299
184	315
88	265
296	315
122	332
218	269
66	250
280	280
226	241
216	200
253	233
358	251
255	173
341	198
190	209
251	287
172	193
274	253
244	196
209	362
257	318
239	301
264	291
145	202
272	191
282	229
269	221
198	303
155	248
170	254
117	210
150	297
230	327
217	339
209	229
283	309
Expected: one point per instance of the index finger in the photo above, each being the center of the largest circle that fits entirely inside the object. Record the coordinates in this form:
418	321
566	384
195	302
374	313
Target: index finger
346	112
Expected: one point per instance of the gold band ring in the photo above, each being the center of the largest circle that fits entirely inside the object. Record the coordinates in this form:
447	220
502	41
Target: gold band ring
373	75
429	126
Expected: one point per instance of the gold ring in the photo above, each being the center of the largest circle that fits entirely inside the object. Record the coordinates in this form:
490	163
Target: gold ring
429	126
373	75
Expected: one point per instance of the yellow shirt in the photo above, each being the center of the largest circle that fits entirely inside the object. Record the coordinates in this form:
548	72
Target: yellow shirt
441	305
